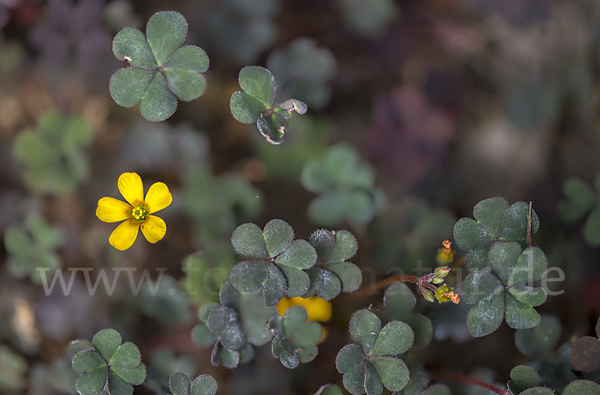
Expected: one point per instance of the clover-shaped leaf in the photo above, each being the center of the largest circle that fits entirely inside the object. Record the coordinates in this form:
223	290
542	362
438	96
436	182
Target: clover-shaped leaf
345	185
494	221
254	104
109	364
161	70
333	273
239	322
505	291
523	378
585	352
179	384
372	363
278	261
399	302
295	338
582	387
32	248
52	154
581	199
539	342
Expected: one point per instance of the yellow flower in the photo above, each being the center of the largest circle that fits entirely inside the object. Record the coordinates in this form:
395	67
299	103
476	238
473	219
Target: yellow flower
317	308
136	213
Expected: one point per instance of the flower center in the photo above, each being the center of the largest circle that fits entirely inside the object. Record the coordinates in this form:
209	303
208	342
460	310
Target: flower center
140	213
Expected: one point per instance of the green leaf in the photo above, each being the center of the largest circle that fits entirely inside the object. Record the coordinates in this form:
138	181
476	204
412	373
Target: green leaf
315	178
582	387
126	356
107	341
249	276
437	389
395	338
469	234
528	295
326	284
259	83
345	247
364	328
373	384
272	127
490	212
591	230
245	108
580	199
514	227
398	300
300	255
248	240
17	242
275	285
278	235
86	361
538	391
255	317
298	281
131	45
134	376
308	351
422	327
179	384
479	285
203	336
187	85
158	102
503	258
189	58
418	380
165	31
293	318
204	385
92	382
118	386
229	296
530	267
306	334
348	356
354	378
220	354
224	321
524	377
519	315
538	342
324	242
329	389
486	317
349	274
392	372
128	86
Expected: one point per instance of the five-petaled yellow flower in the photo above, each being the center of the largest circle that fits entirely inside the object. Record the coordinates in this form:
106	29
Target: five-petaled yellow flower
137	212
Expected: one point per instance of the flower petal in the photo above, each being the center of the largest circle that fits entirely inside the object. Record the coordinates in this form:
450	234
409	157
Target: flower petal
154	229
113	210
131	187
158	197
123	237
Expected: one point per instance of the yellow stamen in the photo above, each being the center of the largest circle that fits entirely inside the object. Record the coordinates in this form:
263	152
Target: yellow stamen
139	213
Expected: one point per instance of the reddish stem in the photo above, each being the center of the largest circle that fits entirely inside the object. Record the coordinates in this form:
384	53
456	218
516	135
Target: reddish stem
472	381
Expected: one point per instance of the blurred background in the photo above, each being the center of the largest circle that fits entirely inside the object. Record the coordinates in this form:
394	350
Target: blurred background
437	104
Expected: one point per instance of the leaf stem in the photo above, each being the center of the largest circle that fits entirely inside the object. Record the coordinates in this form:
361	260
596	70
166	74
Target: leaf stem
529	226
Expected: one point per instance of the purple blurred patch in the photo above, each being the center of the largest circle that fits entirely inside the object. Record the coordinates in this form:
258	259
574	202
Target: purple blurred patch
409	136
